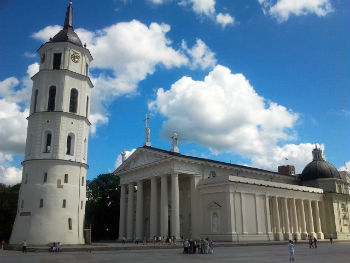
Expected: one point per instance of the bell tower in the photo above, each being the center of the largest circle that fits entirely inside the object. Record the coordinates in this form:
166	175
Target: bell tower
52	197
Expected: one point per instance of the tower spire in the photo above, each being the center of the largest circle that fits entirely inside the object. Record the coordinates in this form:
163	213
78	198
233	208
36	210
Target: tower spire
68	21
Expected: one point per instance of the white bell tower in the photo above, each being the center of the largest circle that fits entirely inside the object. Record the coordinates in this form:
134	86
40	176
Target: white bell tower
51	204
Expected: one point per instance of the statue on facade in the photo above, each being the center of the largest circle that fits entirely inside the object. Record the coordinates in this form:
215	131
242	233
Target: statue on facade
147	132
174	141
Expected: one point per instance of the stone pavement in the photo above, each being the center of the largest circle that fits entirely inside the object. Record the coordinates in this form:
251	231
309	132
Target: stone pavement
339	252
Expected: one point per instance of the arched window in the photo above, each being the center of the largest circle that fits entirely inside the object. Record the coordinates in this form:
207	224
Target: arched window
70	144
48	140
82	181
66	178
35	99
70	223
41	203
52	98
85	146
73	104
22	204
64	203
87	106
45	177
215	223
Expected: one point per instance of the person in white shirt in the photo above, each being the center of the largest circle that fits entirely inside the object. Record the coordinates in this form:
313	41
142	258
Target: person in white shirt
291	250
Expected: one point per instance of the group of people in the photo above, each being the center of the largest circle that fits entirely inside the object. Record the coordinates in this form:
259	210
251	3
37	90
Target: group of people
203	246
55	247
312	242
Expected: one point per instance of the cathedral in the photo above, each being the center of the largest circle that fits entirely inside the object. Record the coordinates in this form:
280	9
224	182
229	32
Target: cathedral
163	193
183	196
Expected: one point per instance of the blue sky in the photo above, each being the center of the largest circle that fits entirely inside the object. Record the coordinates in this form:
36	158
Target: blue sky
250	82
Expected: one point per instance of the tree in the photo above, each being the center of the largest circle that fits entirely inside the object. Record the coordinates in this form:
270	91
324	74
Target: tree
8	209
102	207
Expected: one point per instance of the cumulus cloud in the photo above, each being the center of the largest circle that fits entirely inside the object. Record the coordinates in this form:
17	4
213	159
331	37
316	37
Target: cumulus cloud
10	175
224	113
345	167
224	19
201	55
46	33
118	161
283	9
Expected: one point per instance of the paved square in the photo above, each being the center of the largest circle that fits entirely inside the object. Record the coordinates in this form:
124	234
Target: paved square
336	253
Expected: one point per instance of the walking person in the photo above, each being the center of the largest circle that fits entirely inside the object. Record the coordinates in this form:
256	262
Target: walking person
211	247
2	244
315	242
24	246
291	250
311	243
331	240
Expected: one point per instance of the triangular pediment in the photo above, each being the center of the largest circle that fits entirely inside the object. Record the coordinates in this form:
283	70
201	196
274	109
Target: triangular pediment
141	157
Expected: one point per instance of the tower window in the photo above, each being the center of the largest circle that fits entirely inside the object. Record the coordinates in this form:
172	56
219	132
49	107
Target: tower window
81	204
64	203
66	178
57	60
22	204
48	142
87	68
26	179
41	203
87	106
35	99
82	181
73	104
69	144
45	177
85	146
52	97
70	223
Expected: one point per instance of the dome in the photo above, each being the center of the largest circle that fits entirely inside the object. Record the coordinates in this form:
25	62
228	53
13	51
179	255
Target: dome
67	34
319	168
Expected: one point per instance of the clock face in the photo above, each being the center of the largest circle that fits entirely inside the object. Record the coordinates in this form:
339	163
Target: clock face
75	57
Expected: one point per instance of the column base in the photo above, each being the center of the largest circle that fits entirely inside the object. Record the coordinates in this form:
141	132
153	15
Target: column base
287	236
304	235
278	236
269	235
320	235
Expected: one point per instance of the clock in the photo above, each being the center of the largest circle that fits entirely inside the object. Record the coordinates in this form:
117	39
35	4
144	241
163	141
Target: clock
75	57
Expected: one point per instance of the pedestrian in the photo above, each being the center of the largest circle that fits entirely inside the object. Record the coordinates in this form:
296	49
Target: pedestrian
331	240
291	250
295	239
154	240
123	240
311	245
186	246
2	244
315	242
211	247
24	246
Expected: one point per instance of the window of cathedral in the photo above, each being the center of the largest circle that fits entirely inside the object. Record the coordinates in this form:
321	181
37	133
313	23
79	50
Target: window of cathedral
70	223
82	181
41	203
85	146
52	98
35	100
87	106
57	60
45	177
22	204
48	140
87	69
70	144
73	103
64	203
66	178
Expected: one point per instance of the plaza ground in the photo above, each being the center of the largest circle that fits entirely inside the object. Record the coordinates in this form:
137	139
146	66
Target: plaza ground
339	252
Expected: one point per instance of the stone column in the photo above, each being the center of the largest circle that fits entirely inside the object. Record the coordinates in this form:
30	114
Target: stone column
139	211
287	234
310	217
195	208
154	208
244	228
294	215
130	221
318	222
278	234
164	207
303	221
175	206
122	212
268	218
258	223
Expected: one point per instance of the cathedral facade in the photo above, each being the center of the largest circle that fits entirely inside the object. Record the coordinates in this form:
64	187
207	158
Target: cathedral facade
165	193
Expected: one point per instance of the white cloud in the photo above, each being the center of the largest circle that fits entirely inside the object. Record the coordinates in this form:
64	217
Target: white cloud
201	7
118	161
46	33
224	19
200	54
29	55
283	9
224	113
97	120
157	2
9	175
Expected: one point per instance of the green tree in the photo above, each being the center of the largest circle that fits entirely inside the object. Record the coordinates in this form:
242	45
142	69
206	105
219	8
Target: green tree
8	209
102	207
